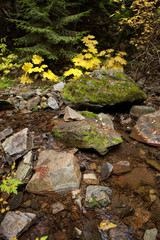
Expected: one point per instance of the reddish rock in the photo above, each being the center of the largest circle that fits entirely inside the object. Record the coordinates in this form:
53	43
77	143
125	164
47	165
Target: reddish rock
139	176
121	167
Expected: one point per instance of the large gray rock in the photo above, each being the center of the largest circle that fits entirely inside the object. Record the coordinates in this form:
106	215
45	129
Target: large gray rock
52	103
15	223
55	172
147	129
140	110
104	87
18	144
58	86
89	133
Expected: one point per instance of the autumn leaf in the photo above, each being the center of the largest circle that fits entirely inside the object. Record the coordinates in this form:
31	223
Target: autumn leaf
105	225
37	59
27	66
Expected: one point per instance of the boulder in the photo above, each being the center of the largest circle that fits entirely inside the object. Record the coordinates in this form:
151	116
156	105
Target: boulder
15	223
88	133
101	88
147	129
138	111
55	172
18	144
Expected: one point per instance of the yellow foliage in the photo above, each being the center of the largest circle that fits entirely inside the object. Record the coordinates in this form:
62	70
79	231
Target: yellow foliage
50	75
37	59
105	225
25	79
27	66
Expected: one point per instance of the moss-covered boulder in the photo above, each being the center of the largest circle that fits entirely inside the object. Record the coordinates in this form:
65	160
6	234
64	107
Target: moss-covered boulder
88	133
105	87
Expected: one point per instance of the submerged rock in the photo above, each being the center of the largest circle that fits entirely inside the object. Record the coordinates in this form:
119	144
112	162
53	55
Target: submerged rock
89	133
55	172
18	144
14	223
147	129
97	196
104	87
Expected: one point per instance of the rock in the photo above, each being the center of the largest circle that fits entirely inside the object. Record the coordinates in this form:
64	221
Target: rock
5	105
97	196
15	223
58	86
122	232
34	204
52	103
26	204
138	177
25	167
90	178
101	88
55	172
106	170
106	119
121	209
5	133
22	105
139	110
44	105
153	164
150	234
28	94
147	129
121	167
16	201
71	114
90	230
89	133
33	103
18	144
155	210
57	207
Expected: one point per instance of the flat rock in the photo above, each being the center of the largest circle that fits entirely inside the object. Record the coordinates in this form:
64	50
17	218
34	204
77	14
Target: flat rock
16	201
18	144
25	167
71	114
97	196
121	167
101	88
5	105
138	177
55	172
57	207
139	110
15	223
153	164
89	133
147	129
28	94
33	102
90	178
122	232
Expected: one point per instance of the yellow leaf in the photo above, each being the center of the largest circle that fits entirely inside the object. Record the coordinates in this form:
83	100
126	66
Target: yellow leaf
73	71
27	66
105	225
4	202
3	210
7	208
37	59
50	75
14	238
109	50
1	199
88	55
26	79
102	53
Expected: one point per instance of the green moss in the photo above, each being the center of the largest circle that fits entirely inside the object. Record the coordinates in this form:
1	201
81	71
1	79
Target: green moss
88	114
35	108
57	134
117	140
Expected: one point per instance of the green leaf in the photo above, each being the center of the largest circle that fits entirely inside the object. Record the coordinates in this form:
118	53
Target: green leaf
44	238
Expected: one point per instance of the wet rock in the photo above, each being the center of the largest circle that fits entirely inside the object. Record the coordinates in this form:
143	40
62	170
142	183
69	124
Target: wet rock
90	178
121	167
122	232
57	207
150	234
18	144
105	87
52	103
5	133
33	103
16	201
58	86
15	223
106	170
90	230
138	177
88	133
71	114
139	110
5	105
97	196
55	172
25	167
147	129
28	94
121	209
